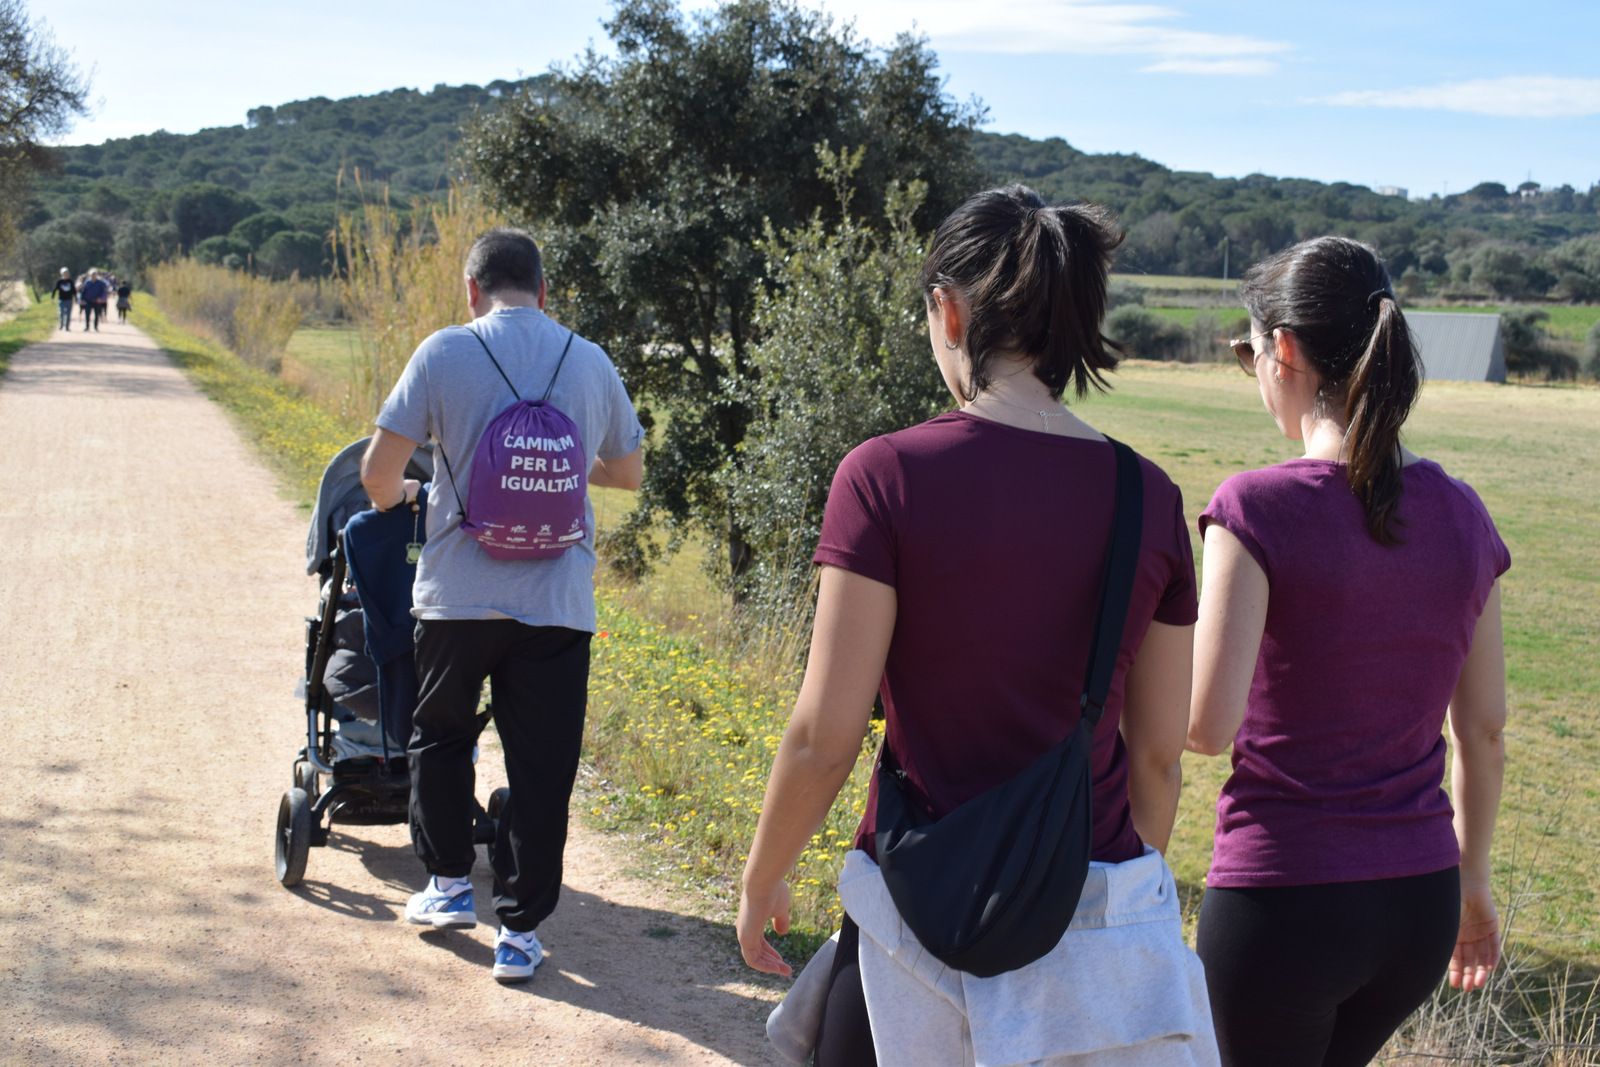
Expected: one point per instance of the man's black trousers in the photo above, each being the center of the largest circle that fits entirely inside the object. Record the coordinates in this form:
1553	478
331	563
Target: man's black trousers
538	688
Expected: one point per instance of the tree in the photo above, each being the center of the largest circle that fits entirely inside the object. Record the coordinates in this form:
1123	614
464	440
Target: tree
141	245
201	210
255	230
40	93
78	242
219	249
291	252
648	177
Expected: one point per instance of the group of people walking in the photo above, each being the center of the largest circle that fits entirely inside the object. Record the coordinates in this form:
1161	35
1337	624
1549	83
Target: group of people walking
1349	612
90	292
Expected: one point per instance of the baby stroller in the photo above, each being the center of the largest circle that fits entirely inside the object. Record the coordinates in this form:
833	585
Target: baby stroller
360	684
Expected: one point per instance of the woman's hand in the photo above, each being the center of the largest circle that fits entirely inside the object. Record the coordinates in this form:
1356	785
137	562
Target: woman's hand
754	911
1477	942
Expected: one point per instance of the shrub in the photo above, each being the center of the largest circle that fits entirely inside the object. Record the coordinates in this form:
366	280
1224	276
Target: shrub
1144	334
1530	350
251	316
843	356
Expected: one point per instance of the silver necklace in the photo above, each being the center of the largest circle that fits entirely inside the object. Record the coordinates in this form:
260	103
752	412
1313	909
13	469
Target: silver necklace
1044	416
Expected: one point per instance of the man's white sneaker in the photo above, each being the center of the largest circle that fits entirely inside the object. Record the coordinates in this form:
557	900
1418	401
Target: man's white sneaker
516	955
449	905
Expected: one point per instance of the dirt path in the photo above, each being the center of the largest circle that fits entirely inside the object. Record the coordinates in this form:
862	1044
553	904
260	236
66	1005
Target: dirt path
151	599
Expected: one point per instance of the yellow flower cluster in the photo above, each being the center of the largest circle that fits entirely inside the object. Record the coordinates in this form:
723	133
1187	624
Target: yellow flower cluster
684	739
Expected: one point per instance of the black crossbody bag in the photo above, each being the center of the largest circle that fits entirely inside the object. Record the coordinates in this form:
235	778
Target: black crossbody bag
993	885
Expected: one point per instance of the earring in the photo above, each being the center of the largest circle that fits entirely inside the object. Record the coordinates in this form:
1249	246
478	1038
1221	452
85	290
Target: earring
951	345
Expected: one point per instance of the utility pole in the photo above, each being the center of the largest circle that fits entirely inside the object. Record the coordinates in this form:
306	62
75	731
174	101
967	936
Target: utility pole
1224	258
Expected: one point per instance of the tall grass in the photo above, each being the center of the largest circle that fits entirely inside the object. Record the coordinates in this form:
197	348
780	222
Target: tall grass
403	278
250	316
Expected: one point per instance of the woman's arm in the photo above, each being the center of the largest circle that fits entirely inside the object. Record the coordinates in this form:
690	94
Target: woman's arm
1155	713
1233	614
849	643
1477	721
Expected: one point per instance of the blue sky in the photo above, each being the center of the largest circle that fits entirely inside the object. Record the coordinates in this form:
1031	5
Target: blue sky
1430	95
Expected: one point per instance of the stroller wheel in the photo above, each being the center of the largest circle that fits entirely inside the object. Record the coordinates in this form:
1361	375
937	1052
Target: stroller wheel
497	802
497	805
294	837
305	777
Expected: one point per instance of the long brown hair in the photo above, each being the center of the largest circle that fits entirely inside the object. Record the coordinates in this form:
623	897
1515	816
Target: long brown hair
1335	296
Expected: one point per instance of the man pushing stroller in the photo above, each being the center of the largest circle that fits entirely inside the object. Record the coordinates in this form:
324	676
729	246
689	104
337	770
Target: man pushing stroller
524	415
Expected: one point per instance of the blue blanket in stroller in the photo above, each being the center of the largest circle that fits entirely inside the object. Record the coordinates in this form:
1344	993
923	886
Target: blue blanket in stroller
382	564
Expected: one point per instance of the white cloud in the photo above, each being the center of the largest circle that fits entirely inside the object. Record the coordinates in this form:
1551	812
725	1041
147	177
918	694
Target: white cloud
1212	66
1064	27
1522	97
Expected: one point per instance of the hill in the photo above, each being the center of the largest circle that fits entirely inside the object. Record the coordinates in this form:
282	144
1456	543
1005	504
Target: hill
129	200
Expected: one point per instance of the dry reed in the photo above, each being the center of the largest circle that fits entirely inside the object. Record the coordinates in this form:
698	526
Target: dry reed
250	316
403	276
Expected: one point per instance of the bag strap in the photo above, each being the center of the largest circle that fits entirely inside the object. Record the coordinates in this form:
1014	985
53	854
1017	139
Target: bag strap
488	352
1122	563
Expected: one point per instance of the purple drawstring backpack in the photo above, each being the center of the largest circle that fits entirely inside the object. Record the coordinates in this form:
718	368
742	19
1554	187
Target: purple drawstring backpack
528	484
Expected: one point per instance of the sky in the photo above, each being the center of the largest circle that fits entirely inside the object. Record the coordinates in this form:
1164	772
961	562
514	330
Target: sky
1430	95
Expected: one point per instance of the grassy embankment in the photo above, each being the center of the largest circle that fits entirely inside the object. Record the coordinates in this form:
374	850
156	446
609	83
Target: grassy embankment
33	323
683	721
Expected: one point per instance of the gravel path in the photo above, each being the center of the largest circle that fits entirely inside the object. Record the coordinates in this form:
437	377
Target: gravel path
151	601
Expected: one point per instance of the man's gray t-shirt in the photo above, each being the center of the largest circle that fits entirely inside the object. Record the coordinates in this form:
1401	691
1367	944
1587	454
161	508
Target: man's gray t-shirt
450	392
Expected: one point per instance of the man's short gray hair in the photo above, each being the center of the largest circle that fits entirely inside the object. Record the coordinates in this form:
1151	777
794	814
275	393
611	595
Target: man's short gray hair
505	260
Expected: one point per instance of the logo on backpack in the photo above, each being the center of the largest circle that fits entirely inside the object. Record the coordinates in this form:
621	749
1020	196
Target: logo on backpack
528	484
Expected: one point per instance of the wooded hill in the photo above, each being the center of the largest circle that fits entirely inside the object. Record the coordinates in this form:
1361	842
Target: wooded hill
229	191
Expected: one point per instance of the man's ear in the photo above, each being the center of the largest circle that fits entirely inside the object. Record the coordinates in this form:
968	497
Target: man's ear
474	294
543	290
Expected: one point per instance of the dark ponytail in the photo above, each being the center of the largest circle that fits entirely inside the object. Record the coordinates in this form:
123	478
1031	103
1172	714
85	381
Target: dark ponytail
1034	279
1334	295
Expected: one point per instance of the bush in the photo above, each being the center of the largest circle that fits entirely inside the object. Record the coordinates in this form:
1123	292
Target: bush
251	316
1144	334
843	357
1530	350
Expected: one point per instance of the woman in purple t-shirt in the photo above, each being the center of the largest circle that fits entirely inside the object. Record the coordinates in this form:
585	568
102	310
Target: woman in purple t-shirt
961	564
1350	602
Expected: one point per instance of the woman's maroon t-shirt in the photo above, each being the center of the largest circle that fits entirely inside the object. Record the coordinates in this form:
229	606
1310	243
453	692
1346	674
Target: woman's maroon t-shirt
1338	765
994	539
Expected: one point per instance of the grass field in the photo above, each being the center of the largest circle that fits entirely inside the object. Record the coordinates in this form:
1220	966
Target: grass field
1570	322
1180	283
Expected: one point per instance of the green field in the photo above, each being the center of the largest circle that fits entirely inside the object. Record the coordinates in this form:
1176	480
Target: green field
1180	283
1570	322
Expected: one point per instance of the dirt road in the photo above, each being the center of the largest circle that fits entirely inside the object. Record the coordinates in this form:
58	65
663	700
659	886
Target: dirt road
151	598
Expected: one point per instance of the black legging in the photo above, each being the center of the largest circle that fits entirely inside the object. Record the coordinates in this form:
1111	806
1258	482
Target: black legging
1322	975
844	1037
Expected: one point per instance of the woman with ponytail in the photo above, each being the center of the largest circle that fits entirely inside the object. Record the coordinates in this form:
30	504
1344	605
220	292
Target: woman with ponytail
1350	606
962	562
